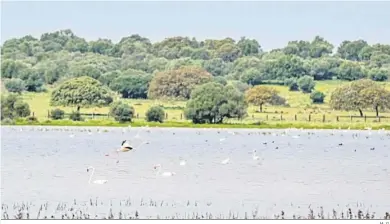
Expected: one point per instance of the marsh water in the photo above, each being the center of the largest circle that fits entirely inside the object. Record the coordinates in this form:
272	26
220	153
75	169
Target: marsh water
296	168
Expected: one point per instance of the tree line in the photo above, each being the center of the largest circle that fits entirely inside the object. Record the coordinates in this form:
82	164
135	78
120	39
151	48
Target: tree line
54	57
89	73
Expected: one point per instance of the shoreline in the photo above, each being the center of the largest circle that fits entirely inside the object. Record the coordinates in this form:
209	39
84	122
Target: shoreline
173	124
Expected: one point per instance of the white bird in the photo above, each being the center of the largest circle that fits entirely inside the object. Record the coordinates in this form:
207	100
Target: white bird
226	161
254	156
182	163
125	147
71	135
95	181
166	174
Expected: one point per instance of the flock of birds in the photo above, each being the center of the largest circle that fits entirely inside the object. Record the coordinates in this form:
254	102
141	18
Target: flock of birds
127	147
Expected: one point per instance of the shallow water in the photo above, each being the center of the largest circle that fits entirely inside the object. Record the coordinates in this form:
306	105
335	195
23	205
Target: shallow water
297	168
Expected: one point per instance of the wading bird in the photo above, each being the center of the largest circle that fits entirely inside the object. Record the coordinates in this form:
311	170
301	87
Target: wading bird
166	174
126	147
95	181
254	156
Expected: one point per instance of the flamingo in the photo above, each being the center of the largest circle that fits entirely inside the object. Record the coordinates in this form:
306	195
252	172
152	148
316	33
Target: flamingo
95	181
166	174
126	147
254	156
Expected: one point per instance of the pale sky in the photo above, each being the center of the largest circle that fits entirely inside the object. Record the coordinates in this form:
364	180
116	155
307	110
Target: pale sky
273	24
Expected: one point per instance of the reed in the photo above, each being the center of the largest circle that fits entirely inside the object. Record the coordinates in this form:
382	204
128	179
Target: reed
76	210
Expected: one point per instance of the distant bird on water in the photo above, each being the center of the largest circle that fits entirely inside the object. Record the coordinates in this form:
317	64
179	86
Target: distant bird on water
95	181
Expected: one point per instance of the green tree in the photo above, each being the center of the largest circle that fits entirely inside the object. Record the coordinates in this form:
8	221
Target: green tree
376	97
351	50
84	91
349	70
260	95
283	67
221	80
248	46
240	86
13	69
177	83
15	85
108	77
292	84
12	106
360	95
35	81
155	114
228	52
217	67
122	112
212	103
306	84
132	86
317	97
379	74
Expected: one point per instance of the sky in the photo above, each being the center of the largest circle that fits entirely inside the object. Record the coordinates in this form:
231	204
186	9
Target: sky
271	23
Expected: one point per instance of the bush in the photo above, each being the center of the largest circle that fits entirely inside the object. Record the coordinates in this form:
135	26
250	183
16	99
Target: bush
292	84
32	119
317	97
22	109
155	113
122	112
7	121
12	106
57	114
379	75
15	85
306	84
75	116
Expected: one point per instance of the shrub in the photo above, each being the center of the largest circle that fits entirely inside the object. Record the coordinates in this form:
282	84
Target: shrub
57	114
22	109
7	121
75	116
32	119
122	112
15	85
292	84
155	113
317	97
379	75
306	84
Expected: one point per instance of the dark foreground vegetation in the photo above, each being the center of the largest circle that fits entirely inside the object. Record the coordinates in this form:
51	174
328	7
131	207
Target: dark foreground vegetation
219	79
128	209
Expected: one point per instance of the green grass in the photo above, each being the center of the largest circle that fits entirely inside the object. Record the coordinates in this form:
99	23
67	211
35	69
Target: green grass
297	115
187	124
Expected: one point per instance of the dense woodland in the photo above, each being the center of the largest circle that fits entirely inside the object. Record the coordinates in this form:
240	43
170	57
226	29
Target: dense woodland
87	72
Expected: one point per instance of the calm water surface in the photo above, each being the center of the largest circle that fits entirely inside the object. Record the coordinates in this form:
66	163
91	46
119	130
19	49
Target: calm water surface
297	168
